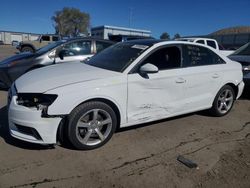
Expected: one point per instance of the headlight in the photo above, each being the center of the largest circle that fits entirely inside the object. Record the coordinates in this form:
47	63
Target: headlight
37	100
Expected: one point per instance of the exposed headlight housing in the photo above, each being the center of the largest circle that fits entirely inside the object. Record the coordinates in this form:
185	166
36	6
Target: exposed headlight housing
36	100
12	92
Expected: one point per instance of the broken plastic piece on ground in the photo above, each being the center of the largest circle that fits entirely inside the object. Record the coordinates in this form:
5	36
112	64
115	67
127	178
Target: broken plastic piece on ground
187	162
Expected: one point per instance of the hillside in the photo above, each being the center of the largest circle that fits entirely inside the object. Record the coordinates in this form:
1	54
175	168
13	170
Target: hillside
232	30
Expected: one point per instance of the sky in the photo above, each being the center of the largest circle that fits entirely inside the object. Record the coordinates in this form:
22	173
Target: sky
186	17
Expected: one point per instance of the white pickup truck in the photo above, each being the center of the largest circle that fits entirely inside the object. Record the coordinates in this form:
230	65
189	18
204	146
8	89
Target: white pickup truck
208	42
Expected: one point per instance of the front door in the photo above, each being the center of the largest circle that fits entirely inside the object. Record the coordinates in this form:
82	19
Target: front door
158	95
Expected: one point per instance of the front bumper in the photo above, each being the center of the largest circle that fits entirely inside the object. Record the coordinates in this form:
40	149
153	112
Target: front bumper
28	125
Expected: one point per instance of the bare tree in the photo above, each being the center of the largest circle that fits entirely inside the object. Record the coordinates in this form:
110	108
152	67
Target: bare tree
70	22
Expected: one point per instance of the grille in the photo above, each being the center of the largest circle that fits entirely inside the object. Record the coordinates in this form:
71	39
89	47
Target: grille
28	131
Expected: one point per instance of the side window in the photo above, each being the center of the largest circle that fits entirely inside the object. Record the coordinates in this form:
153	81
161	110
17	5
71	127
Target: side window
78	48
198	56
101	45
165	58
200	41
211	44
55	38
46	38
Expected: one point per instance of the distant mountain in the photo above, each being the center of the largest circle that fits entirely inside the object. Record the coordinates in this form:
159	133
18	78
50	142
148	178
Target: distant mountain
232	30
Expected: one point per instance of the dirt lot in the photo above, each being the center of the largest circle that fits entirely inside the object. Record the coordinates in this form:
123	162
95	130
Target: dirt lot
6	51
142	156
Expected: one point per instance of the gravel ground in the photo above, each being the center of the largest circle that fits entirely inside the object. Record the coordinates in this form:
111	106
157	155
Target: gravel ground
141	156
6	51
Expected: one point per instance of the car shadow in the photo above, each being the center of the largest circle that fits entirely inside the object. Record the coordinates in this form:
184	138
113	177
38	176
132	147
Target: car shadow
245	95
202	113
4	133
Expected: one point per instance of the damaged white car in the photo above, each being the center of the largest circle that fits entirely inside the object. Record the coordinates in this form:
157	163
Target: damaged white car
126	84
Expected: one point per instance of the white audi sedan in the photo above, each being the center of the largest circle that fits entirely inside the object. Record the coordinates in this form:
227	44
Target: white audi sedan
128	83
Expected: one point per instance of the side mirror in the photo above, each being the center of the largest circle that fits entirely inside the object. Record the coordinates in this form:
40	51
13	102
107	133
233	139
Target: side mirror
62	53
149	69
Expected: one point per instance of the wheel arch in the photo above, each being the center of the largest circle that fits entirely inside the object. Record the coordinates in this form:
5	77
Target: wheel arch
235	88
62	128
109	102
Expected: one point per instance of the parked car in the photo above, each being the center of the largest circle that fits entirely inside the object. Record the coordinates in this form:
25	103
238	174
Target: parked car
1	42
208	42
126	84
242	55
58	52
123	38
14	43
32	46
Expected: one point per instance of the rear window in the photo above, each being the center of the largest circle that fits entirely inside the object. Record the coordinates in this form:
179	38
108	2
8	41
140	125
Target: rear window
45	38
198	56
200	41
211	44
55	38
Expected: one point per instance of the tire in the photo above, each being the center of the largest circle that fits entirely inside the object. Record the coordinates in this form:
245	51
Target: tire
223	101
27	49
91	125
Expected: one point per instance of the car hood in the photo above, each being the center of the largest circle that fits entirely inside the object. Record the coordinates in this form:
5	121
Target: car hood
241	58
55	76
17	57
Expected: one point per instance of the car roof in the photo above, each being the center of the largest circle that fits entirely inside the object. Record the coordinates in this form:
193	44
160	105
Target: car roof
147	42
88	38
151	42
194	38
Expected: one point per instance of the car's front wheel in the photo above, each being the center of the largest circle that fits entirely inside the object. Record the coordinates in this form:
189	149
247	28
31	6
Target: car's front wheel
27	49
223	101
91	125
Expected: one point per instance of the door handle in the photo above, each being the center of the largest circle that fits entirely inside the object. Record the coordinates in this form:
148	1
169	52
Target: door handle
180	80
215	75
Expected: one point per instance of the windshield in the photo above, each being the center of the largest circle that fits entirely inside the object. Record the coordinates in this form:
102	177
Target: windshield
243	50
117	57
49	47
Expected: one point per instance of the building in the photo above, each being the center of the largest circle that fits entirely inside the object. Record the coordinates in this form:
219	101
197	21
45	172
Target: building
105	31
8	36
230	38
231	41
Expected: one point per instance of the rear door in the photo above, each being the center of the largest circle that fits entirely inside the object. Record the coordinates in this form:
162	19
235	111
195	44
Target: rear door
203	72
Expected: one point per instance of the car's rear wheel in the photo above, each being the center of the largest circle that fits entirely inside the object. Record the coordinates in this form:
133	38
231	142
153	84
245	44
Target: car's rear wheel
27	49
91	125
223	101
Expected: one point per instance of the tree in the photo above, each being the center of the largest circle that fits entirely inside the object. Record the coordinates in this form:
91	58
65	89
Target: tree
165	36
177	36
70	22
